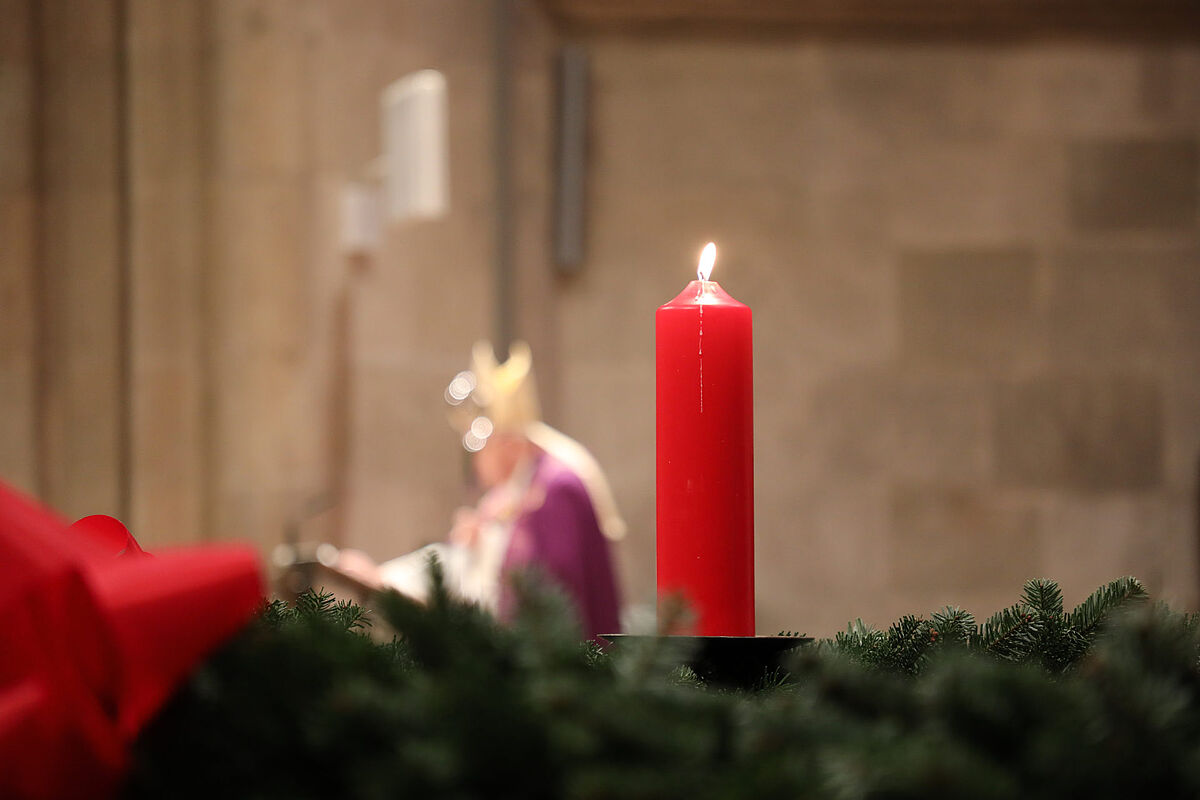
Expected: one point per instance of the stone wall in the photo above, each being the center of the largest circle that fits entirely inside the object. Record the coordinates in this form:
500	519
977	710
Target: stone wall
975	272
973	266
183	343
18	367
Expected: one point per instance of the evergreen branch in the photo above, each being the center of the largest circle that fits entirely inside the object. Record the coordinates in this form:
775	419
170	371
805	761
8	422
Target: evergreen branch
952	625
907	641
314	603
857	634
1090	614
856	642
276	613
349	616
315	607
1008	633
301	708
1044	597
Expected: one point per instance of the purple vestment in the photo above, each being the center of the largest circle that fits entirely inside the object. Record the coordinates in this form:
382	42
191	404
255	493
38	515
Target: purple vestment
558	535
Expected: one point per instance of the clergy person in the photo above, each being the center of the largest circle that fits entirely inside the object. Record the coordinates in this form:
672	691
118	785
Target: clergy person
546	509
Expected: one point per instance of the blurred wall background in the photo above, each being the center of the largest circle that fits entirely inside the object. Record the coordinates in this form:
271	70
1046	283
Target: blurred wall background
974	262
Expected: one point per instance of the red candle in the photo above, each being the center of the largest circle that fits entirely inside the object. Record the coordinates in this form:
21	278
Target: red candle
705	410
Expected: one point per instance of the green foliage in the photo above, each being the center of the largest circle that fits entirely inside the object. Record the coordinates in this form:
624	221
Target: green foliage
1088	615
1100	702
317	608
1033	631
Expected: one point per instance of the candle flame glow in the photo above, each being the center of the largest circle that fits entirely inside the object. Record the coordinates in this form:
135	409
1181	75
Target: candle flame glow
707	257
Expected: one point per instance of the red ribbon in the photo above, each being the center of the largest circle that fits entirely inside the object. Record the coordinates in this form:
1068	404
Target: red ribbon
94	637
107	533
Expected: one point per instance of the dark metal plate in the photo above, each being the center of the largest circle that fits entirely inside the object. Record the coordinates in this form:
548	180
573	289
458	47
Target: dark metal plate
742	662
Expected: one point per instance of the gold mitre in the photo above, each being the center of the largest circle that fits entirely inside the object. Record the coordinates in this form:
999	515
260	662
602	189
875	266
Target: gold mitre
491	397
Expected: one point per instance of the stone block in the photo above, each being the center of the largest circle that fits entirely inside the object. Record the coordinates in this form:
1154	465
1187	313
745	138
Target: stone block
1156	83
1081	90
262	516
1001	189
165	129
456	27
942	431
80	407
78	102
969	309
1091	433
1185	83
712	109
843	426
18	368
167	452
408	470
71	30
432	295
16	41
826	533
1088	540
166	302
18	450
958	545
877	423
1181	275
170	497
163	28
16	126
259	233
914	92
1125	307
823	305
1134	184
820	547
1181	430
260	85
17	274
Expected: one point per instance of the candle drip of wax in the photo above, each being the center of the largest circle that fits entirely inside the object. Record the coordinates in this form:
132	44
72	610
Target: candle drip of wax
701	358
708	257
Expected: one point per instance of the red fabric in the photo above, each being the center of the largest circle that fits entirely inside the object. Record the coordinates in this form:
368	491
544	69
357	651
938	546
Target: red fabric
107	533
93	639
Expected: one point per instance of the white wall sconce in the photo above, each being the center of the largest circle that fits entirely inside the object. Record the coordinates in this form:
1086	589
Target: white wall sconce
410	180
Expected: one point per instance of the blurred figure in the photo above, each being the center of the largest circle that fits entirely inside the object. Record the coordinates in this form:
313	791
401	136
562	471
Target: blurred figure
546	507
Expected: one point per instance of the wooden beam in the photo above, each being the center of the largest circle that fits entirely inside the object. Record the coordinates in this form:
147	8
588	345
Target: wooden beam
1173	18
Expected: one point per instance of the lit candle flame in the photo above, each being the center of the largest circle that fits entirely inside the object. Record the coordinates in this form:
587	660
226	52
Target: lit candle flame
707	257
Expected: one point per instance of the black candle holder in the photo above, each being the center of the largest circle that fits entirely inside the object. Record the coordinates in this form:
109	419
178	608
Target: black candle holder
737	662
